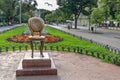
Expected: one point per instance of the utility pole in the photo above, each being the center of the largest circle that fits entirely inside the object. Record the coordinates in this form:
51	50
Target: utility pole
39	13
20	11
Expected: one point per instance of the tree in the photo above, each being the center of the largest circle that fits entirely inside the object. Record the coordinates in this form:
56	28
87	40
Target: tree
29	5
11	8
118	19
65	13
43	13
76	7
51	17
61	16
111	7
25	17
8	7
57	16
97	16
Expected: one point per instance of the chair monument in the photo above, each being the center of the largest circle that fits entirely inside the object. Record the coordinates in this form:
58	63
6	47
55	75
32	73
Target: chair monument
39	63
36	25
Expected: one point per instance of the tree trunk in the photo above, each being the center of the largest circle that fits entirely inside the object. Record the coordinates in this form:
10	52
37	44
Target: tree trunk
76	22
8	19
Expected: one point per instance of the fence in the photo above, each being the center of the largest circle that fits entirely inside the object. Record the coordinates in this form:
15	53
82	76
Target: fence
112	49
76	49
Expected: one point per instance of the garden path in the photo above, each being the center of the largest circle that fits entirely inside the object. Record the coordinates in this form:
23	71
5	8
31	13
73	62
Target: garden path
6	28
71	66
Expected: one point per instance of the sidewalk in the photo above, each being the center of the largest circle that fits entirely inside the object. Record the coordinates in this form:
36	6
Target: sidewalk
102	36
70	66
5	28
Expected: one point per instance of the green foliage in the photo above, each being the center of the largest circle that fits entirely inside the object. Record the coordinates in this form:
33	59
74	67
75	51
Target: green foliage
51	17
25	17
11	8
43	13
8	7
63	13
97	15
111	7
118	17
76	7
10	33
28	5
58	16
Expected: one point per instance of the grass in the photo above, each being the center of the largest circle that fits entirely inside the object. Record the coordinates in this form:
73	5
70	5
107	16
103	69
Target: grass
68	41
73	41
10	33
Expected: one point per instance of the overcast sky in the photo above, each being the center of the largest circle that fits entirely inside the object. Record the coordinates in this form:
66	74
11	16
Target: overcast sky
42	5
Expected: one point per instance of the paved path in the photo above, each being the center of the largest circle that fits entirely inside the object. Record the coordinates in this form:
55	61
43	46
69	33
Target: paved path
103	36
71	66
5	28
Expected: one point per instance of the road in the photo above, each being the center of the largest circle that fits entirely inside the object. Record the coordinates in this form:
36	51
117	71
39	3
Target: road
103	36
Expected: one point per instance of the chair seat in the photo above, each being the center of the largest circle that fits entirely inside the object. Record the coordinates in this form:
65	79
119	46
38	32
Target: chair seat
36	37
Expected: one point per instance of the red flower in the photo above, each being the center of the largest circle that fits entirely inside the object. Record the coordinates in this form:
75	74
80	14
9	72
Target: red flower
24	38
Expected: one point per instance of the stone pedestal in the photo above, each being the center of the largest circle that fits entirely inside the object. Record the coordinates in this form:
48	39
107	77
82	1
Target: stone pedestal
36	66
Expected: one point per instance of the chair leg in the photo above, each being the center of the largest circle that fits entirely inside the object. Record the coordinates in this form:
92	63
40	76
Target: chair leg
41	48
31	44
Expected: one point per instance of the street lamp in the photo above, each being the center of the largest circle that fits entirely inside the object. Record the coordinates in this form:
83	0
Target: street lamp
39	13
20	11
89	17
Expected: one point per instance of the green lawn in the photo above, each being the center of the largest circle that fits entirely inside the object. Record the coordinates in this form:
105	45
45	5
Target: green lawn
68	41
10	33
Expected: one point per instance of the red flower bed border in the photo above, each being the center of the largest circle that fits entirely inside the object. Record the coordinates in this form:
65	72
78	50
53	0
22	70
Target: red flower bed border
24	39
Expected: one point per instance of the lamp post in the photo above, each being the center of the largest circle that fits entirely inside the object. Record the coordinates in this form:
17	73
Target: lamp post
39	13
89	17
20	11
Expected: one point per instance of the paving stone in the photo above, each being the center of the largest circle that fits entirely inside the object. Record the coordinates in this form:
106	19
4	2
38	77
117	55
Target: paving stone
70	66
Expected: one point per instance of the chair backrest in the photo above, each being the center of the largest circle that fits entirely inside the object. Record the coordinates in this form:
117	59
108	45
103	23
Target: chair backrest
35	24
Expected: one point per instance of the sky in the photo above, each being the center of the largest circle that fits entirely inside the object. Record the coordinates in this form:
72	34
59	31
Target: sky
42	5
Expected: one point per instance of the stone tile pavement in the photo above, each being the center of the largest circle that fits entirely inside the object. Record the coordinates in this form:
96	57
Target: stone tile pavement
70	66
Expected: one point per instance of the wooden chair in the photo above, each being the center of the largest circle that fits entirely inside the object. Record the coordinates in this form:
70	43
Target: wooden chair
36	25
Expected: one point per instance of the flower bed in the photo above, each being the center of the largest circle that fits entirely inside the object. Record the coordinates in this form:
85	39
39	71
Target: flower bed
24	38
